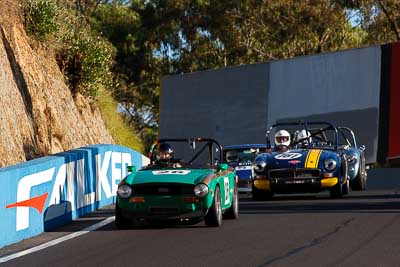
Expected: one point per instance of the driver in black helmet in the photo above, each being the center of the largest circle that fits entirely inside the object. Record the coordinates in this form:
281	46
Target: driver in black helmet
165	156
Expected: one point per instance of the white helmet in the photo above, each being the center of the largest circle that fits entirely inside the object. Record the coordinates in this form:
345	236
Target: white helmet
303	134
303	138
282	138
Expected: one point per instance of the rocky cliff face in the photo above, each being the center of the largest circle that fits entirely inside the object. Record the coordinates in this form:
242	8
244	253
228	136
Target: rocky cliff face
38	115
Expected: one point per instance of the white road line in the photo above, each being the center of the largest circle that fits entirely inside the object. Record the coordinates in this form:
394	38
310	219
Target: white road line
58	240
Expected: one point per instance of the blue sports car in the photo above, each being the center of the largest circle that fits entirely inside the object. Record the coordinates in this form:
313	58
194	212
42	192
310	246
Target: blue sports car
311	161
241	158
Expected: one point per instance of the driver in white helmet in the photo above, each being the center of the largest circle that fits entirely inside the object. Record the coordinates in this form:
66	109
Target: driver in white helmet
303	139
282	141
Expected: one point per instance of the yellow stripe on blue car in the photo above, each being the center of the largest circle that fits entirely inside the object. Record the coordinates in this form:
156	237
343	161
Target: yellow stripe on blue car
312	158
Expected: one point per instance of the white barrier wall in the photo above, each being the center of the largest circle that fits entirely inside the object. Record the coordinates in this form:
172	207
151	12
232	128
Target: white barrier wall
44	193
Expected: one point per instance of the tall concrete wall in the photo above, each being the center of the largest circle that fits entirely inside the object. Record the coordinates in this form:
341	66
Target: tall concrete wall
341	87
229	105
356	88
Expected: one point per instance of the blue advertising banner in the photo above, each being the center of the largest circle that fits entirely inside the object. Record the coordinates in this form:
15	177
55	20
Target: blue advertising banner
44	193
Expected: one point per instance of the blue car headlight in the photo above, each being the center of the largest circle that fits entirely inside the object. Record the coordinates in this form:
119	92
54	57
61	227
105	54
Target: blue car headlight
330	164
259	166
124	191
352	159
201	190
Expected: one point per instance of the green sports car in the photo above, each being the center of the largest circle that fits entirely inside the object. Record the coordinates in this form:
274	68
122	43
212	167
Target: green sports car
198	185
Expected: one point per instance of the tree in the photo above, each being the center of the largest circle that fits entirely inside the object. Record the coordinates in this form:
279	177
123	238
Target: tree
379	18
154	38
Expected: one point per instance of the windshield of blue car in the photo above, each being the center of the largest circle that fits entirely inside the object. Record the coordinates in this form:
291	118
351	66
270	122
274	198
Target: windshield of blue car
327	139
241	156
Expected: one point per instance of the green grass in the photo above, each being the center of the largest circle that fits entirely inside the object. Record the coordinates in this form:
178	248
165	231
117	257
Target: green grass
121	132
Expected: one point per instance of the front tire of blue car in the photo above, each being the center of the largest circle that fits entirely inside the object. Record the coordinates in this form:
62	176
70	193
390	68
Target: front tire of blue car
346	187
233	211
337	190
213	217
359	183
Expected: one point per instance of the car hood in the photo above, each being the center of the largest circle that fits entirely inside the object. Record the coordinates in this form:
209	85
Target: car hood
244	171
186	176
299	158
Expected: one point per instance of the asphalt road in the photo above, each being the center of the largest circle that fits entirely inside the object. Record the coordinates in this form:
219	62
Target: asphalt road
361	229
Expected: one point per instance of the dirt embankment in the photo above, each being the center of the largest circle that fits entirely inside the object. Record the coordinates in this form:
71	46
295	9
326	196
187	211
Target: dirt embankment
38	115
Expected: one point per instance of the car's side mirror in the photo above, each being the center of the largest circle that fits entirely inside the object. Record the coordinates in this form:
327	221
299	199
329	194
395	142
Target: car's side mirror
362	147
131	169
223	166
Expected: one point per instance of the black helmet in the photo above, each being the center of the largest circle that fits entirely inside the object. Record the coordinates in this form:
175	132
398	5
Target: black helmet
166	148
165	152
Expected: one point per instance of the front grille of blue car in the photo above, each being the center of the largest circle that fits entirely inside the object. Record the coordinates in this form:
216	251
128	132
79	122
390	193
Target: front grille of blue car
294	173
163	189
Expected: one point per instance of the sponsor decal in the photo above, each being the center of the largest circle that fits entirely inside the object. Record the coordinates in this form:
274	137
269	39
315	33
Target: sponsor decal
177	172
227	195
72	177
243	168
294	161
294	182
35	202
288	155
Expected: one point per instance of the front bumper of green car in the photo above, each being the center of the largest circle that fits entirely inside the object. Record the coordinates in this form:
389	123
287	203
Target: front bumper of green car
149	207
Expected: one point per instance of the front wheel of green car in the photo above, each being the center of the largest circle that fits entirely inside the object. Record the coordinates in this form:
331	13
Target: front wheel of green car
121	222
233	211
214	214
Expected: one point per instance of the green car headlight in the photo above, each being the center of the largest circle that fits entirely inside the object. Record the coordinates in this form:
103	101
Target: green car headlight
201	190
330	164
124	191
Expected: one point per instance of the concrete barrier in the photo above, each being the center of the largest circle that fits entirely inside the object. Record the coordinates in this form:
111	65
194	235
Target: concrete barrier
44	193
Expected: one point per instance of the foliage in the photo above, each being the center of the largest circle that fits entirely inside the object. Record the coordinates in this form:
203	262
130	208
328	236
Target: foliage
122	133
155	38
40	17
84	57
379	18
86	61
148	39
82	54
